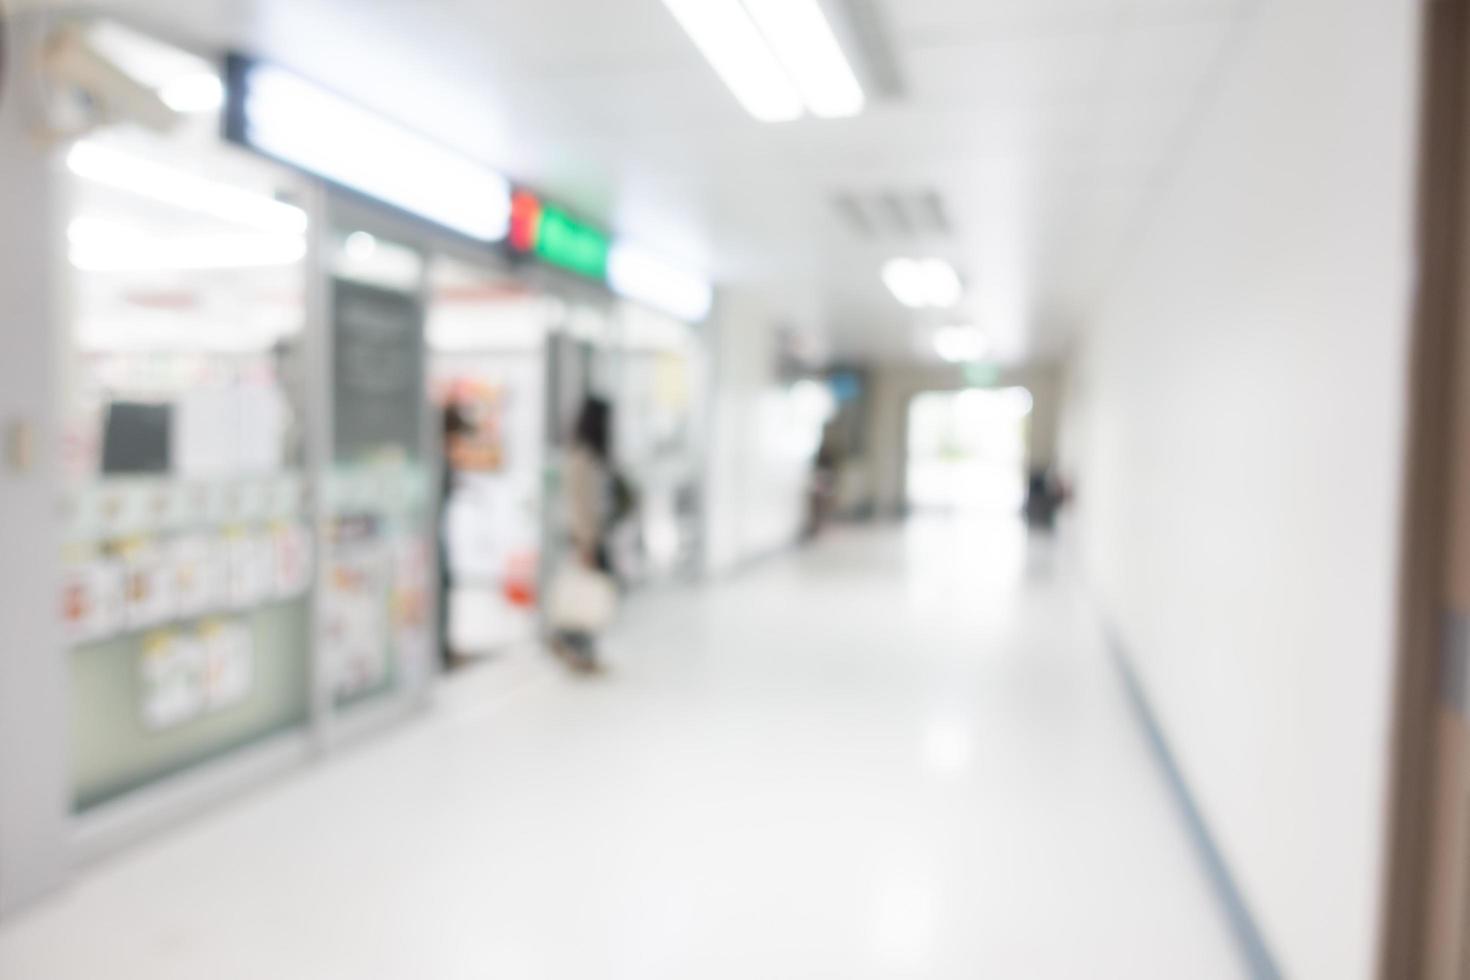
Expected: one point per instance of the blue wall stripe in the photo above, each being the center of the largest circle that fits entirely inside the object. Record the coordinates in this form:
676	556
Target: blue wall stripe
1251	942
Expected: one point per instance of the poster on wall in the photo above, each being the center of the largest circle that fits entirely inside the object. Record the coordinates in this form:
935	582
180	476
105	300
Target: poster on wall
412	604
252	563
187	674
483	409
354	628
199	568
228	663
293	559
92	604
172	678
148	590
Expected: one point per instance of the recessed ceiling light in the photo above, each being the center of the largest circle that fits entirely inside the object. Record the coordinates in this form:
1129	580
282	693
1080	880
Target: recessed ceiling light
960	345
920	283
942	282
905	280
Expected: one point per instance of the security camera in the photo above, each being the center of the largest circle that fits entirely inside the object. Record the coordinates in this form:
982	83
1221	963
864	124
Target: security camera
70	59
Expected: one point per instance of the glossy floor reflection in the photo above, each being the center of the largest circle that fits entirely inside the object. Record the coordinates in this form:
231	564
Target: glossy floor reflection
897	754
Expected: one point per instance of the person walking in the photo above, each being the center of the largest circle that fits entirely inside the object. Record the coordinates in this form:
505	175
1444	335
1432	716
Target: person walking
456	427
584	594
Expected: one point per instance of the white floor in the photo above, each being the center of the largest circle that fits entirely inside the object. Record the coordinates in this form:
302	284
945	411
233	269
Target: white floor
900	754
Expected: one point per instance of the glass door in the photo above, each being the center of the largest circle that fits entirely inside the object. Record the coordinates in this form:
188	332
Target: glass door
375	623
487	334
967	451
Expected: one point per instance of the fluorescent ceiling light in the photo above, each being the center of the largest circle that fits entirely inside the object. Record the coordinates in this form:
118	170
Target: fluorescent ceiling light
101	246
203	92
960	345
732	44
179	189
920	283
302	124
639	275
193	331
801	37
185	82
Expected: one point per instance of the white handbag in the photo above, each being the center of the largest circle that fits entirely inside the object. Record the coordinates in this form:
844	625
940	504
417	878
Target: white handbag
582	599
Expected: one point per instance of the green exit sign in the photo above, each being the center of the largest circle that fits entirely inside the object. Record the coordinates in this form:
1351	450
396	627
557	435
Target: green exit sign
982	375
556	237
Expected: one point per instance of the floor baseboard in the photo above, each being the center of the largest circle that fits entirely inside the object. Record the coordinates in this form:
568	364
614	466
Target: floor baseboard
1248	935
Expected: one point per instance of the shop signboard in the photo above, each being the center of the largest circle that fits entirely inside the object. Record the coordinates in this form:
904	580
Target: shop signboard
555	237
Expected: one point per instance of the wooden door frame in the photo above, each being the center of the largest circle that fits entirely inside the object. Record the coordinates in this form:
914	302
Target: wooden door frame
1440	339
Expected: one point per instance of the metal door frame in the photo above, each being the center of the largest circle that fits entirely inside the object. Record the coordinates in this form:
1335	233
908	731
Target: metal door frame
1424	908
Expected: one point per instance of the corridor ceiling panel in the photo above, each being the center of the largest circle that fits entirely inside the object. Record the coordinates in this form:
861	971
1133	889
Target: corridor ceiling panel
1045	127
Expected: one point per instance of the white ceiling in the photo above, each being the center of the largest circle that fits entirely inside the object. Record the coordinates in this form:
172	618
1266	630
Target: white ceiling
1045	124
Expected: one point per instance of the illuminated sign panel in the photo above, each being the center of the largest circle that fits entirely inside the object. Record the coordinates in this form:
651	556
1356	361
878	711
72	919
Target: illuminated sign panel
300	123
291	119
556	237
639	275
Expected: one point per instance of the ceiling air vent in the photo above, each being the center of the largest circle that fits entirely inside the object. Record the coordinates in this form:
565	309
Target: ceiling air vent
891	214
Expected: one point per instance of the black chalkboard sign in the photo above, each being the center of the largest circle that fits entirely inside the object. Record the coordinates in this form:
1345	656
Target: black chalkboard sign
377	371
136	438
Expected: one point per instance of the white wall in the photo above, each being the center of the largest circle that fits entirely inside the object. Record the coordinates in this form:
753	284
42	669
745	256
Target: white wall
761	450
1237	443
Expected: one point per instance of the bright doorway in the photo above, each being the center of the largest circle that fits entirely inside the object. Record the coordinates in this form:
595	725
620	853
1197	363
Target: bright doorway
967	451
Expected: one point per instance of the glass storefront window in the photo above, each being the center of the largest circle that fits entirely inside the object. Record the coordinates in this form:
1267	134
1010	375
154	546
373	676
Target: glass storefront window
188	558
660	381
